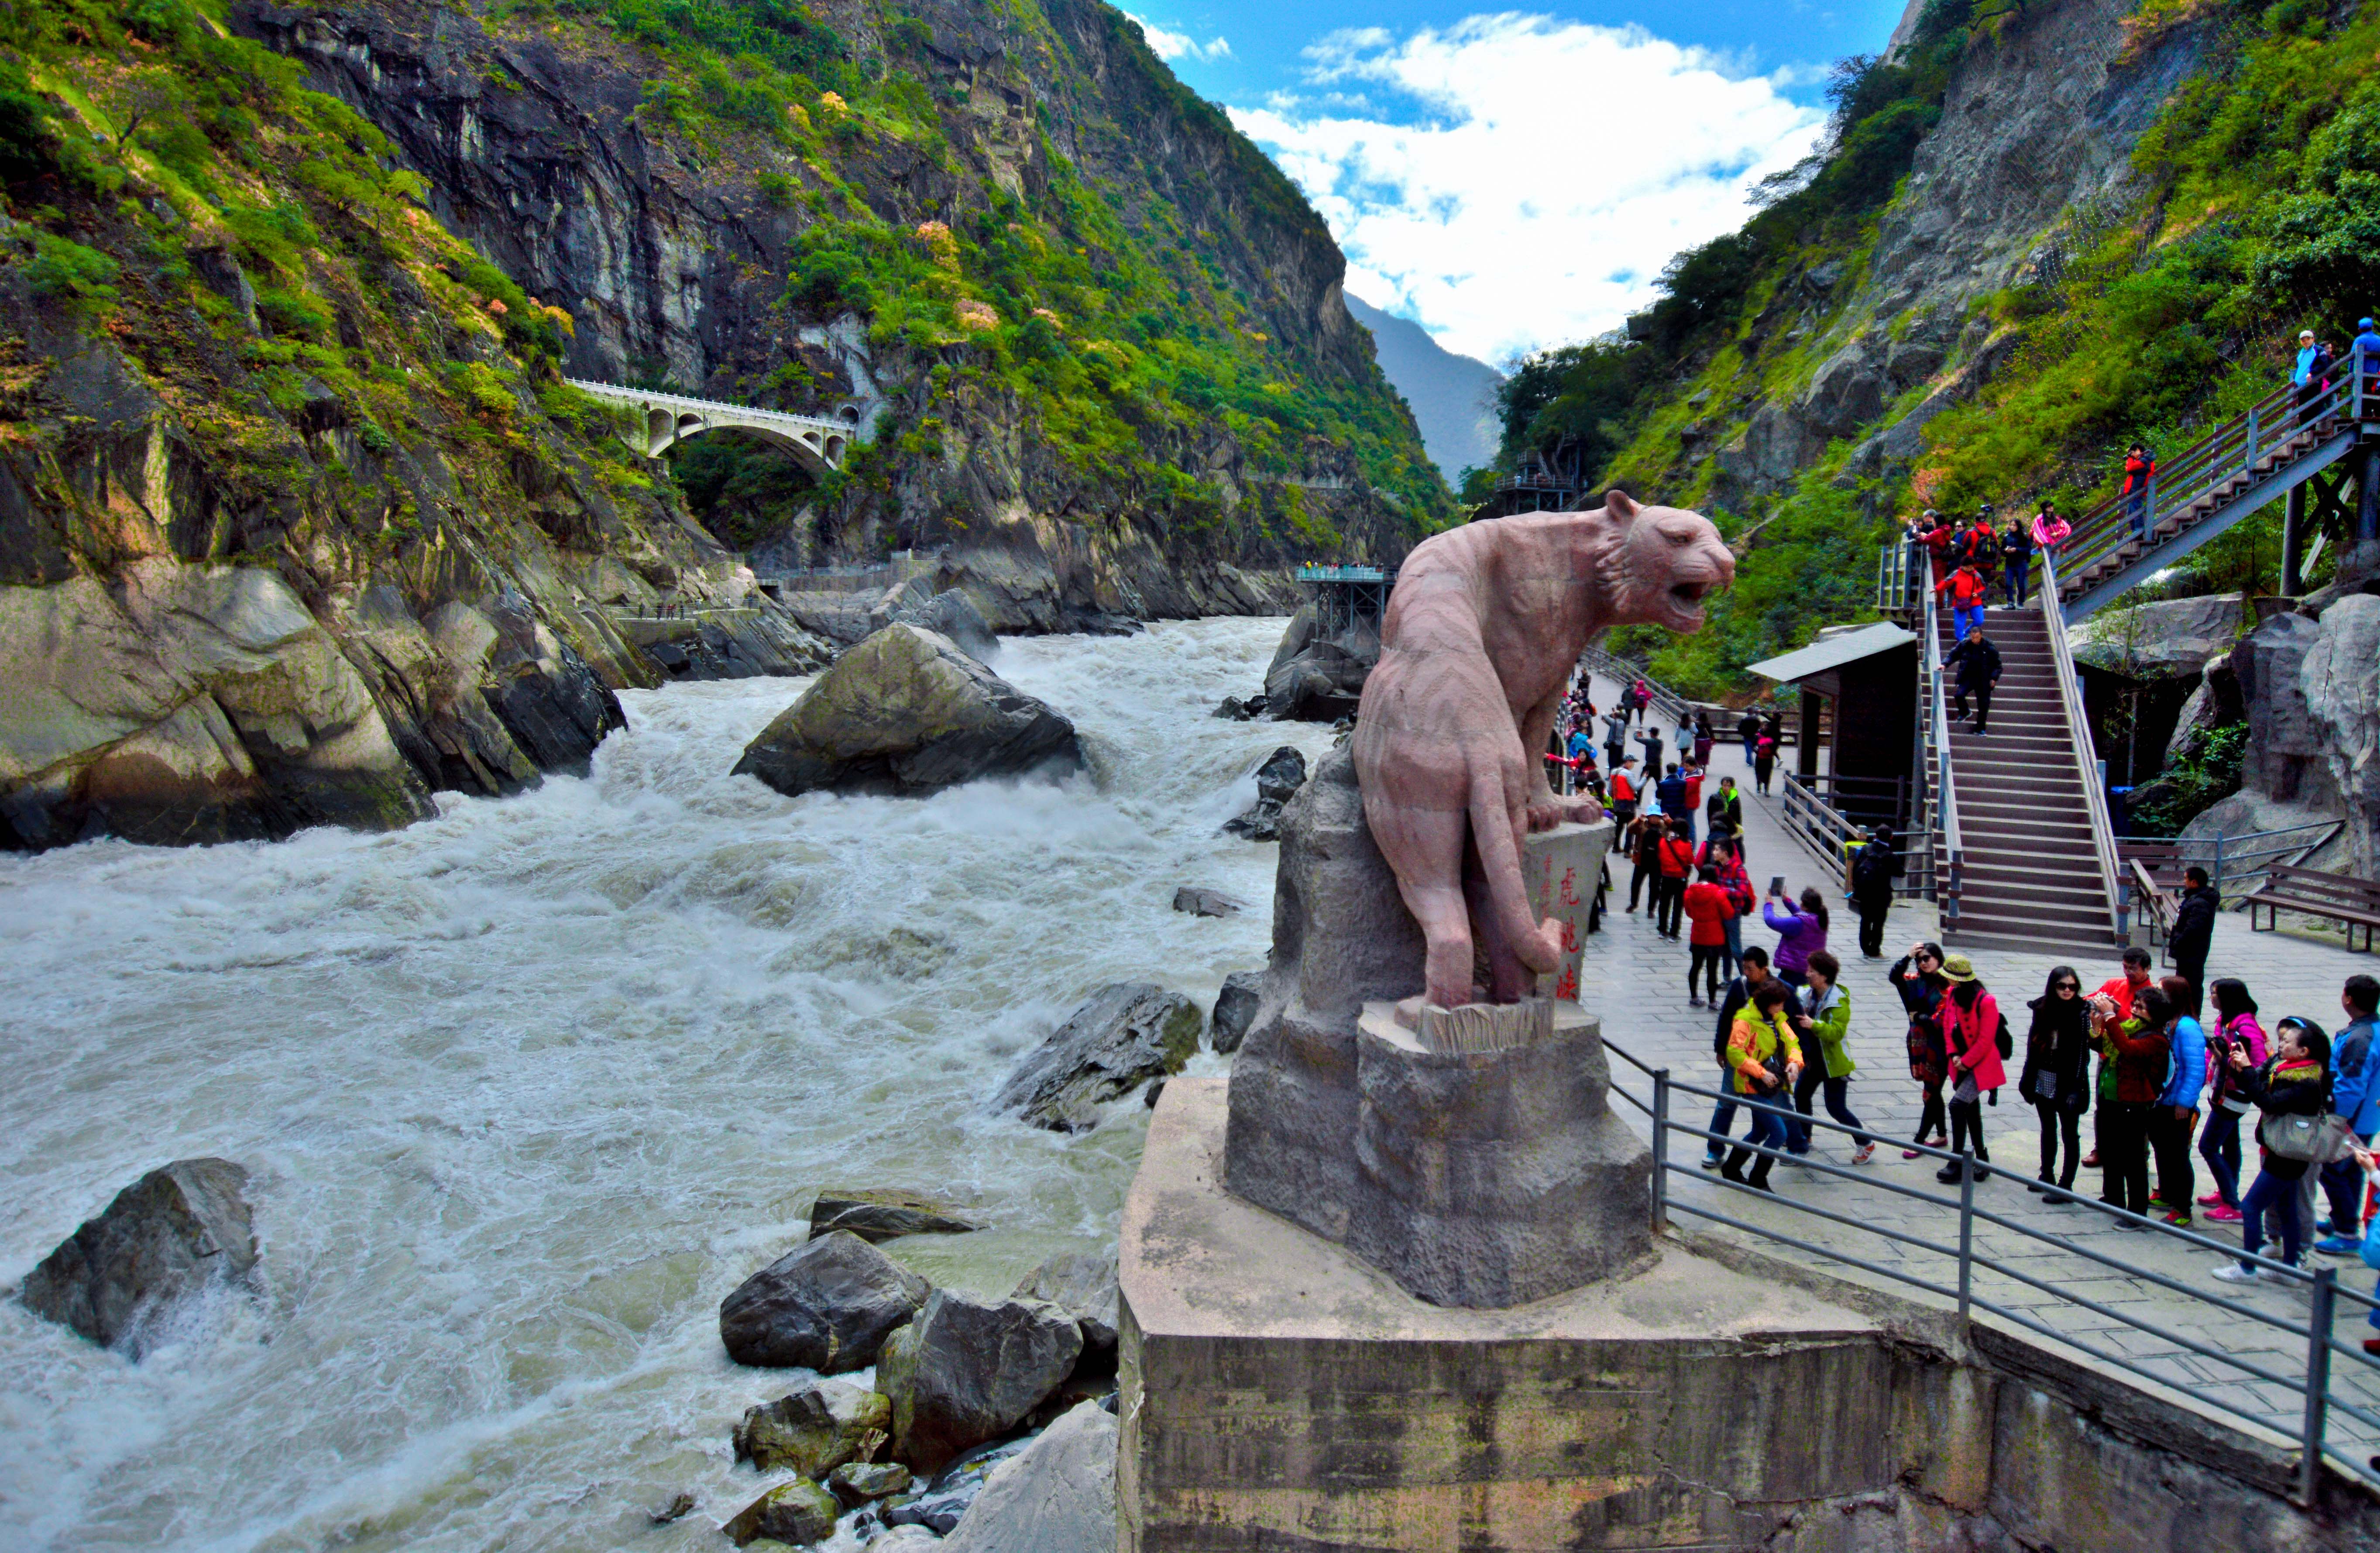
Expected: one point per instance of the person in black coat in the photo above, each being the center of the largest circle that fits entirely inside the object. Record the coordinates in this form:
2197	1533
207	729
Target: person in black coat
2194	926
1872	868
1977	663
2057	1075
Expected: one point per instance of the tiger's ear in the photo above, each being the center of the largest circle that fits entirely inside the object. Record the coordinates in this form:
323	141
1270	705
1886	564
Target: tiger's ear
1620	506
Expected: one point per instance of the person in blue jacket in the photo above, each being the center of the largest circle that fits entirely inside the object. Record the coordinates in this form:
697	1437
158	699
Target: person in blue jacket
2175	1116
2367	346
2354	1094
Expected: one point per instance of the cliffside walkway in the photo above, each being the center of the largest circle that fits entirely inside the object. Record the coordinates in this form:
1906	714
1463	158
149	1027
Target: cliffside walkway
1636	981
817	442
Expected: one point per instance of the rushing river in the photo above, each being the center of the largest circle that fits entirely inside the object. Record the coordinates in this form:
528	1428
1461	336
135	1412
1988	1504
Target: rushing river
528	1088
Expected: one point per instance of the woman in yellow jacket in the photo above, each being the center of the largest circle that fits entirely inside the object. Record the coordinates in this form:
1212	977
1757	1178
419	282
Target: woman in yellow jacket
1768	1059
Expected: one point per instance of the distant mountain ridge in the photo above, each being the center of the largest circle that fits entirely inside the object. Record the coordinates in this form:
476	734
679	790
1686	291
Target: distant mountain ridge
1454	398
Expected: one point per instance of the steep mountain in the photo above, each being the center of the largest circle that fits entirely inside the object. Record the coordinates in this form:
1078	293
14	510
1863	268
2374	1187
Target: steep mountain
299	520
2035	234
1452	397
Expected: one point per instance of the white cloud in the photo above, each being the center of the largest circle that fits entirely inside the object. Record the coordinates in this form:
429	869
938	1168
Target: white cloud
1169	45
1548	172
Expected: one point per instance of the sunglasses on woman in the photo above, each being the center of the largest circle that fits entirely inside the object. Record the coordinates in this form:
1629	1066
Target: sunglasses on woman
2069	986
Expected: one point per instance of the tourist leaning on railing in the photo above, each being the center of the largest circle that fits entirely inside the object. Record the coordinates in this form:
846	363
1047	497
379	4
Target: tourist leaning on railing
2057	1075
2293	1082
2049	530
2235	1029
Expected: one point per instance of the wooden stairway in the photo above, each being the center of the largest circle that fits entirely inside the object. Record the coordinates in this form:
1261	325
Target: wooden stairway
2029	878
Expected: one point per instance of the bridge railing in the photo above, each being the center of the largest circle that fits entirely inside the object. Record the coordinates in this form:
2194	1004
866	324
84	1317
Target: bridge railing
709	407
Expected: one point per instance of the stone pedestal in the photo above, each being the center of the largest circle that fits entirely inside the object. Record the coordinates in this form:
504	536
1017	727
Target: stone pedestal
1472	1155
1279	1391
1492	1179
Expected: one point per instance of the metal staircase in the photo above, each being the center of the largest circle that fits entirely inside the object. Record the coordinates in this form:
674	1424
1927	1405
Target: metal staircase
2023	853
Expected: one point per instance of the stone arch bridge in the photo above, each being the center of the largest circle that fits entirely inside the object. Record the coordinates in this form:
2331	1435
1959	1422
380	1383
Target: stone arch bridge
817	442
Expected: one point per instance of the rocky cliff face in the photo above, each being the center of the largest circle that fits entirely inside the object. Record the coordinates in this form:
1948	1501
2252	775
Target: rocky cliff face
541	148
299	521
2036	135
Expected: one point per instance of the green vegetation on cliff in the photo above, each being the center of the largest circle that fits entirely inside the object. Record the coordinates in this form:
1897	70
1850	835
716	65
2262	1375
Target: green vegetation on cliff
1094	306
2251	207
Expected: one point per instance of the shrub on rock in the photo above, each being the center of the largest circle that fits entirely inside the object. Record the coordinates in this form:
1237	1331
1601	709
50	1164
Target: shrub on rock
906	712
967	1370
825	1307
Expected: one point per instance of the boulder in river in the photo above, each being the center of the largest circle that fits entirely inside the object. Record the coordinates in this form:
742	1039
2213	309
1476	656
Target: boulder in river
1197	901
792	1512
857	1483
967	1370
1236	1010
1127	1034
169	1235
939	1508
1082	1284
1058	1495
1281	775
906	712
879	1215
825	1307
1318	679
816	1429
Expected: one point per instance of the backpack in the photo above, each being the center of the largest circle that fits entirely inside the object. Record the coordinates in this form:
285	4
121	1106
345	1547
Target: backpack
1872	865
2006	1042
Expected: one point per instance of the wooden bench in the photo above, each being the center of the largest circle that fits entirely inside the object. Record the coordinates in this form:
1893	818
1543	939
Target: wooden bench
2338	897
2156	904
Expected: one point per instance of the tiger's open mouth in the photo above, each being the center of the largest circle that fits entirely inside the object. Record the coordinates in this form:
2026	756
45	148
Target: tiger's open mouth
1686	603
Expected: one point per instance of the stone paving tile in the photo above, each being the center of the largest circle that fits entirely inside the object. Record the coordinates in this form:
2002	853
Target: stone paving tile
1636	981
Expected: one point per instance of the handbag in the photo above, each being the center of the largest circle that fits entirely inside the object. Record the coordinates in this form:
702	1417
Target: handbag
2317	1140
2045	1085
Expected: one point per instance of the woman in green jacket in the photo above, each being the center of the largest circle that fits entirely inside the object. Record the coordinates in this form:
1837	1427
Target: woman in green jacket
1825	1026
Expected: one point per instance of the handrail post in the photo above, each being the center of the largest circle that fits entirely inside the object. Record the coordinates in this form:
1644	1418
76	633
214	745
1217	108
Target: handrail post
1660	1149
1966	1230
2217	879
2317	1392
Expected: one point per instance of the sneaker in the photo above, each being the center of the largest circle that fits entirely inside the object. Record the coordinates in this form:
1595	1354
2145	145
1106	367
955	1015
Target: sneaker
1864	1154
2340	1245
2372	1346
2157	1204
2232	1272
2130	1224
2211	1199
1693	1002
2222	1213
2037	1187
2178	1219
1713	1161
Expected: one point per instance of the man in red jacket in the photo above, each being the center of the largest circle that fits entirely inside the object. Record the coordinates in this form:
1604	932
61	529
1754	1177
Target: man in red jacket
2139	470
1677	863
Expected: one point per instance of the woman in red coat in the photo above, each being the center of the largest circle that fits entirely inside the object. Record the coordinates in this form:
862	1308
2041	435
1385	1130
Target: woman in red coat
1970	1033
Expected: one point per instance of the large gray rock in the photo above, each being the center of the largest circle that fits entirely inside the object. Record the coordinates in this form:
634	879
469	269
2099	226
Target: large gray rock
1314	678
879	1215
2340	681
951	614
1236	1010
173	1234
1083	1285
905	712
1282	774
816	1429
1056	1496
2171	639
1127	1034
825	1307
1340	936
967	1370
938	1510
856	1482
2288	747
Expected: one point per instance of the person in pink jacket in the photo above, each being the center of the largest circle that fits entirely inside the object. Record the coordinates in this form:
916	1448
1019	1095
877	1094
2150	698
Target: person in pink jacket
1970	1034
2049	530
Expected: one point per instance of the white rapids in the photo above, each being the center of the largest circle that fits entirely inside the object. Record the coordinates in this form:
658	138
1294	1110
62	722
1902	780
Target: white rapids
528	1088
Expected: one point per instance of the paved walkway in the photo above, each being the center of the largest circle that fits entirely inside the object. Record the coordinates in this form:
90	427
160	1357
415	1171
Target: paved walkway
1637	981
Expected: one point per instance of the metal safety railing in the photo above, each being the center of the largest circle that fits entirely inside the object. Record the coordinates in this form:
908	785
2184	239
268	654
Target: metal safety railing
2084	753
1950	848
2231	472
1829	835
2315	1384
1666	701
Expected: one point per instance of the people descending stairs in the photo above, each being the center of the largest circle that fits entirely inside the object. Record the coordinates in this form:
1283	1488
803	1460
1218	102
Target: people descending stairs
2031	876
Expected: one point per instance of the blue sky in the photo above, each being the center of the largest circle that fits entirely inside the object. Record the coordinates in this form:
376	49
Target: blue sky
1516	178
